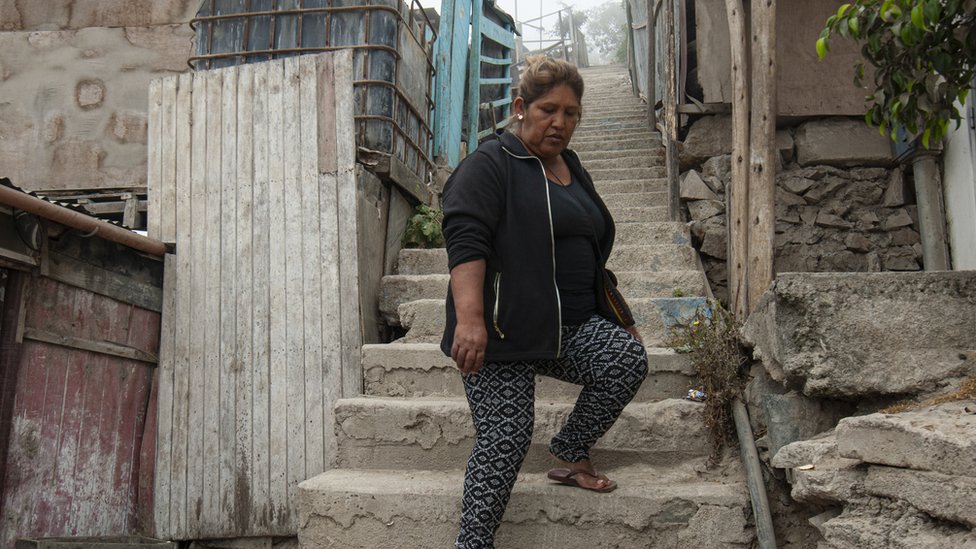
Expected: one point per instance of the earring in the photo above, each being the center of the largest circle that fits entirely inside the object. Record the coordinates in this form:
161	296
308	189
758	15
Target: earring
520	116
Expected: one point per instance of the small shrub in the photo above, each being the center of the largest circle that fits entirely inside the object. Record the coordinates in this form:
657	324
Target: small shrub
712	337
424	228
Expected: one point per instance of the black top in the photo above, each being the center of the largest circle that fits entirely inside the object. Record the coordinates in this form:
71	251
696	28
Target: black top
496	208
575	220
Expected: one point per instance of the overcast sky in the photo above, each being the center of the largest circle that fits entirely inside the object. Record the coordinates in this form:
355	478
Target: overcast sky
524	10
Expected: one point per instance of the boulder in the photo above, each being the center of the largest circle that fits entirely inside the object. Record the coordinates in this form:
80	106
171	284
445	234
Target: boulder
947	497
693	188
874	523
941	439
845	335
703	209
707	137
841	142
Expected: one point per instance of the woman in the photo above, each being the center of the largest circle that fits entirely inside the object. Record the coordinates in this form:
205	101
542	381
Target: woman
527	239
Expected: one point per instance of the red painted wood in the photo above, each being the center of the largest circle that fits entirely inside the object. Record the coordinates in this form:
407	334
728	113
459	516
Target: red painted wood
79	451
10	353
147	462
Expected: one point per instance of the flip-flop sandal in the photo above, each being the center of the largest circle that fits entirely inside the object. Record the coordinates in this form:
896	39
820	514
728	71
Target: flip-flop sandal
568	477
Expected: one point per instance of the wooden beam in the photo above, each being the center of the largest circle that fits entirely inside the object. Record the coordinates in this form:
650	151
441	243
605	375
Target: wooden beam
738	195
671	113
10	348
704	108
762	150
651	75
101	347
101	281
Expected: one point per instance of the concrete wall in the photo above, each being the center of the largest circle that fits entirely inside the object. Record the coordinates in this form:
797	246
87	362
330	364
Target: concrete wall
960	195
807	86
74	76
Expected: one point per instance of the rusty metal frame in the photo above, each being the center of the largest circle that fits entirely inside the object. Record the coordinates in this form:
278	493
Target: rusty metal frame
417	19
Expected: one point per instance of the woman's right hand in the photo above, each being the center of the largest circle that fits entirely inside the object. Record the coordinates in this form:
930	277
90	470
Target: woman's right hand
468	352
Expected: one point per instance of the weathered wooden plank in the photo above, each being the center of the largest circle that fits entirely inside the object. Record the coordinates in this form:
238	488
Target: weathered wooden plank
294	288
495	33
351	369
181	369
260	329
241	521
65	375
327	135
308	112
211	428
167	183
278	393
228	297
196	285
762	152
101	347
146	498
154	161
164	441
738	192
184	306
84	275
473	96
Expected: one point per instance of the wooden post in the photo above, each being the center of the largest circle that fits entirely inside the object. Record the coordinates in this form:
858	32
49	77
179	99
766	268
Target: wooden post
737	194
652	6
671	113
762	166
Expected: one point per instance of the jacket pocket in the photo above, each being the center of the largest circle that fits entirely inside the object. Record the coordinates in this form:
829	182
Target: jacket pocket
495	308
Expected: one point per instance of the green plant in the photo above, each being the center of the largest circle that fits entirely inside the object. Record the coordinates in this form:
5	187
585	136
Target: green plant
923	53
712	338
678	292
424	228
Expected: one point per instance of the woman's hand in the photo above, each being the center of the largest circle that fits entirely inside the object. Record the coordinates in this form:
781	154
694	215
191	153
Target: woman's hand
470	335
632	330
468	352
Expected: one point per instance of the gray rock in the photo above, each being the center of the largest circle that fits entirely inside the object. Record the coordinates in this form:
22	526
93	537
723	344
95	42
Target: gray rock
794	183
948	497
829	481
703	209
719	167
693	188
900	259
832	221
715	243
894	195
784	145
709	136
792	417
841	142
789	199
716	527
905	237
843	335
806	452
858	243
898	218
941	439
873	523
714	184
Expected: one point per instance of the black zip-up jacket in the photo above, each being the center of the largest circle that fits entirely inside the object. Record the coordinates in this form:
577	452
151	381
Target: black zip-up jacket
496	208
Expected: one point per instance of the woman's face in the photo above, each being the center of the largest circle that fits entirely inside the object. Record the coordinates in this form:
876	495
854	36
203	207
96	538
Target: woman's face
548	122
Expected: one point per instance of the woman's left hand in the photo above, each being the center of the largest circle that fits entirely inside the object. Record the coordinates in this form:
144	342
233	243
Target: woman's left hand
632	330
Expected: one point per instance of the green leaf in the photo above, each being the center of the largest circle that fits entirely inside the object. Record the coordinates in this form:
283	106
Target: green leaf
853	24
925	137
918	16
822	48
842	10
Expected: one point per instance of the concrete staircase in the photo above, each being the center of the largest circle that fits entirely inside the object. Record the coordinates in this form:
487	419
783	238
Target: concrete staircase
404	444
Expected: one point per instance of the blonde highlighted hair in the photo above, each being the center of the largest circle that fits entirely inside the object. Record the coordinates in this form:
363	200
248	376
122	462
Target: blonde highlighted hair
541	74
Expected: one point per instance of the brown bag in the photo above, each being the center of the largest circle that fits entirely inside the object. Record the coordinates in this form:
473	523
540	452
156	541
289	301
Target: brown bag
611	303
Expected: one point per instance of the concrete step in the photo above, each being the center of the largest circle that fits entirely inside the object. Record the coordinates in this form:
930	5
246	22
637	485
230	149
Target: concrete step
641	160
647	284
656	185
635	199
616	122
586	146
422	370
653	258
653	234
435	433
398	289
653	150
618	174
424	318
417	261
600	135
640	214
662	508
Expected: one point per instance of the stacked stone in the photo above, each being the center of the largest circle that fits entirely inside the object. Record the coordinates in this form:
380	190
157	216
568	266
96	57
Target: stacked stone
894	481
841	206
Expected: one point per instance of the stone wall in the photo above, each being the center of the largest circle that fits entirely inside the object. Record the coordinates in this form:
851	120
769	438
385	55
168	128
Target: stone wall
74	77
841	204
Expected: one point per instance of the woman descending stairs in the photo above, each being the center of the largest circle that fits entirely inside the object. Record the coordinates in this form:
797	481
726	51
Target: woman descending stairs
404	444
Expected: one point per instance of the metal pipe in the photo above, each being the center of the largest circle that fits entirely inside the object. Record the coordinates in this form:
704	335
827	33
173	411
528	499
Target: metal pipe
80	221
931	211
754	479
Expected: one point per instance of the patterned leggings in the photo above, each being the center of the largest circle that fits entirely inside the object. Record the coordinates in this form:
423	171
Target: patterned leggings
607	361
